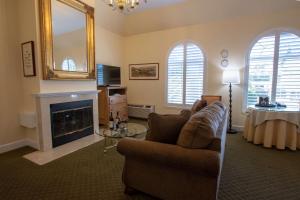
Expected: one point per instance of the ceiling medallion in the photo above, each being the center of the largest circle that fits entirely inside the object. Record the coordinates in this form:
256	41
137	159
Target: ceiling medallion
124	5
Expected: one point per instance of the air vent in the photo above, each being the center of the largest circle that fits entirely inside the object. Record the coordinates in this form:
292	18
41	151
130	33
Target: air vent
140	111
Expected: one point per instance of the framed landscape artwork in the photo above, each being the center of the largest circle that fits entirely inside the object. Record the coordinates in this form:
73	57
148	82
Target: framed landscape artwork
145	71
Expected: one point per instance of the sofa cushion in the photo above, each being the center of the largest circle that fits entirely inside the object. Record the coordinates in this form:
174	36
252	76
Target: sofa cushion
220	105
198	105
166	128
202	127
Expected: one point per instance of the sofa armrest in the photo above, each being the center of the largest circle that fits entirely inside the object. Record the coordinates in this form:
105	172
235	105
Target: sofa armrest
197	160
215	145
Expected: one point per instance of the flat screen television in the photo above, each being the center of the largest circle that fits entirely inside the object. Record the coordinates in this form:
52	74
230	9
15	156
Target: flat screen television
108	75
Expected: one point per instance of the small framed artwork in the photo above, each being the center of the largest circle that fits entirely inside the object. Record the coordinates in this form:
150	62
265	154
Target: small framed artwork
145	71
28	59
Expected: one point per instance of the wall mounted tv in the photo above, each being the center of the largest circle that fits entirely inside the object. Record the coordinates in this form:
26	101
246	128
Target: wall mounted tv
108	75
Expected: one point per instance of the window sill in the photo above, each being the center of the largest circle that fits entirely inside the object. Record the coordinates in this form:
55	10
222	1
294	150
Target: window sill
174	106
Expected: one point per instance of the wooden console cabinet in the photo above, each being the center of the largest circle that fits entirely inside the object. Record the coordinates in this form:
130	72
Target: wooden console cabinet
112	99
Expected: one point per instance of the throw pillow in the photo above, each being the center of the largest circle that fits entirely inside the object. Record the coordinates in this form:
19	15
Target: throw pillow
166	128
198	105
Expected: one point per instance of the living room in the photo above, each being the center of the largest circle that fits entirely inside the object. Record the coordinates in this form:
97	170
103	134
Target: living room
223	34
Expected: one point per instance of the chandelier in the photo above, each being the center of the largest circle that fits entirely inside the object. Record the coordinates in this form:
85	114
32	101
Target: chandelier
124	5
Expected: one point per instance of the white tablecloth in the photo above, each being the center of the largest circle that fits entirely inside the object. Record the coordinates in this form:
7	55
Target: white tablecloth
260	116
273	128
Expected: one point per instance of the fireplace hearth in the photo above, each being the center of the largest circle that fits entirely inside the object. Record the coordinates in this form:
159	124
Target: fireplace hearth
71	121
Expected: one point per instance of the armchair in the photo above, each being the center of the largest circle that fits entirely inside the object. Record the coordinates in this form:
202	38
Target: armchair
172	171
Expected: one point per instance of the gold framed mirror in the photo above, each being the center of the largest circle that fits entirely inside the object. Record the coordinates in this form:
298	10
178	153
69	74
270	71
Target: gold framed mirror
67	40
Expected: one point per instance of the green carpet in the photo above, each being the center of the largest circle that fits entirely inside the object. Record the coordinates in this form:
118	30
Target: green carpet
249	172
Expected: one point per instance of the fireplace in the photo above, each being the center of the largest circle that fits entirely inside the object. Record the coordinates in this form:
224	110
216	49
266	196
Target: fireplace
55	106
71	121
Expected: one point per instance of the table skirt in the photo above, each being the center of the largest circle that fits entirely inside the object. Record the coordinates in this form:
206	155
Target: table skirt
278	133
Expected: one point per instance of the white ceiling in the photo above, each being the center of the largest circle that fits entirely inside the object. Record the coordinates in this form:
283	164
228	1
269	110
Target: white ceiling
156	4
163	14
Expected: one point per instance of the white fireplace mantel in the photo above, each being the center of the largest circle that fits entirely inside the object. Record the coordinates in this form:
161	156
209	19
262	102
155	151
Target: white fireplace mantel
63	94
43	102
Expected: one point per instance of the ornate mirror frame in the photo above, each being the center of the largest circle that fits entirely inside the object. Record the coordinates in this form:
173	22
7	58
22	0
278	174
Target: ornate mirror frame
47	42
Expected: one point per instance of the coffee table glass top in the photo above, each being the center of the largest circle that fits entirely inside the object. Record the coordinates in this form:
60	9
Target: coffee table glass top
132	130
126	130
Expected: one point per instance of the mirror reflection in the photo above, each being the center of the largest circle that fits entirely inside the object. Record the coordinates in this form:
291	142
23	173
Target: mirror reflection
69	38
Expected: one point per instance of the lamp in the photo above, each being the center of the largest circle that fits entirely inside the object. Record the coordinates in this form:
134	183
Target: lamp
231	76
124	5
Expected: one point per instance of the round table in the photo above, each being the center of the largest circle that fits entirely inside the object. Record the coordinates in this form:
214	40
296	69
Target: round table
273	127
132	130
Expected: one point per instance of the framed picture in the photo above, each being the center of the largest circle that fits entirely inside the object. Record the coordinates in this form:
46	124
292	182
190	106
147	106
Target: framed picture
145	71
28	59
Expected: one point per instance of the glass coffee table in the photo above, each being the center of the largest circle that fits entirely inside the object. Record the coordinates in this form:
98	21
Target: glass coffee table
131	130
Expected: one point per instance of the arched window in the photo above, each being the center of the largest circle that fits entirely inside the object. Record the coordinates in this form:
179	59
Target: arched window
274	69
69	65
185	74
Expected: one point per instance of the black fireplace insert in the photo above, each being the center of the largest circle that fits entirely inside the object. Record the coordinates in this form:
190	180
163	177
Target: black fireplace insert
71	121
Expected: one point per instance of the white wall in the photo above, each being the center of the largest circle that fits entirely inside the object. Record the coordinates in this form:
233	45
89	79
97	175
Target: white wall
235	35
10	73
25	10
19	22
109	48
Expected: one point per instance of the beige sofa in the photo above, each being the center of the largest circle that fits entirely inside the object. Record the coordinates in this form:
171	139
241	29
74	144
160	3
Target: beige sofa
184	169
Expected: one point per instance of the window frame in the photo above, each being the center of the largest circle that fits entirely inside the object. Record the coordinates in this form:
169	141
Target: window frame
276	32
184	42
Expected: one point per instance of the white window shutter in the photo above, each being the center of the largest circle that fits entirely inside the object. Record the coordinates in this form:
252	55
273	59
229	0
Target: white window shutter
185	74
194	73
100	77
288	83
261	69
175	75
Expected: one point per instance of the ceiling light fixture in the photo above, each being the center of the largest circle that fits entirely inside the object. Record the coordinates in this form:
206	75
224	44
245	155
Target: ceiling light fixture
124	5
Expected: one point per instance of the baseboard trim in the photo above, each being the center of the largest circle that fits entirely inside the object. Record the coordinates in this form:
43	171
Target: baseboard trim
32	143
18	144
238	128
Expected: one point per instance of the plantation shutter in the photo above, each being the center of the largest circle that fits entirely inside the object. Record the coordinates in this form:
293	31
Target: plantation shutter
100	77
261	69
185	74
175	75
288	83
194	73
